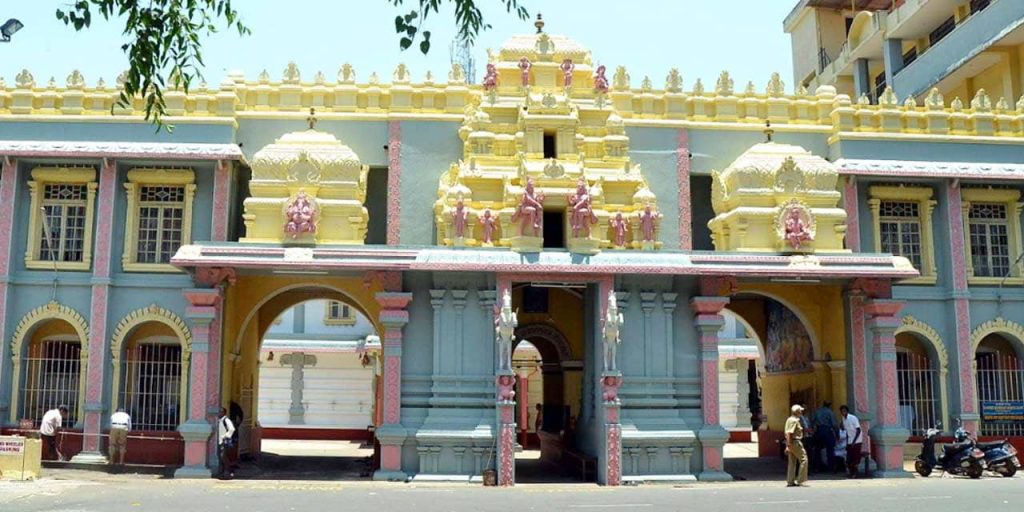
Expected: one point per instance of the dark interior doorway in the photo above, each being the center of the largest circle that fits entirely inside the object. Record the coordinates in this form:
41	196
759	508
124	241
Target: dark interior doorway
554	230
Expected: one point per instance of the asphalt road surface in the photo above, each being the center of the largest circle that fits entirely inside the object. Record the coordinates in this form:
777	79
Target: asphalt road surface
150	494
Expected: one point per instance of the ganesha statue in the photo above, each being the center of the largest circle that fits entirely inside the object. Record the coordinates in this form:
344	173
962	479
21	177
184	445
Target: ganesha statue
300	216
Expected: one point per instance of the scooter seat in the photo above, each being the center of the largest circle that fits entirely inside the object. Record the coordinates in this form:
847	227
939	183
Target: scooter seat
990	445
950	449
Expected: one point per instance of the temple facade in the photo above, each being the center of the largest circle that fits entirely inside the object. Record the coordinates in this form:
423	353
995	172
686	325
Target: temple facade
867	254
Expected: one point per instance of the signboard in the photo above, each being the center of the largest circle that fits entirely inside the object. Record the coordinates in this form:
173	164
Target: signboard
1002	411
10	446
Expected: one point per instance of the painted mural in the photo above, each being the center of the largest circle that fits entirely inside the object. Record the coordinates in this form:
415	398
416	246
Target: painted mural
789	346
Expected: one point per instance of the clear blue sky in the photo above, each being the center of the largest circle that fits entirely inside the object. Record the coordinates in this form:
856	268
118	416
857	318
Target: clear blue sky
699	37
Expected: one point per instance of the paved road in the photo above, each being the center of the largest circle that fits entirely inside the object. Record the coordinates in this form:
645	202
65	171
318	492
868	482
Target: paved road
150	494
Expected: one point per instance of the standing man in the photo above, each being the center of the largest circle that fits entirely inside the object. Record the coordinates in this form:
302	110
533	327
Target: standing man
797	457
854	441
120	425
825	424
52	422
225	440
538	421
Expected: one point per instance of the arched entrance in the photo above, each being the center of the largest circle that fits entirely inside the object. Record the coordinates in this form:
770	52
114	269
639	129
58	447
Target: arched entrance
921	368
999	360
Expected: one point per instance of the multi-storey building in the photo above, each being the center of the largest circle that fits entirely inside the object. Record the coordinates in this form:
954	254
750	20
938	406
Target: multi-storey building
871	250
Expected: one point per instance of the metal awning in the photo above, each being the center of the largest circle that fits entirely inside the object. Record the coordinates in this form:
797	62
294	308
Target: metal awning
134	150
922	169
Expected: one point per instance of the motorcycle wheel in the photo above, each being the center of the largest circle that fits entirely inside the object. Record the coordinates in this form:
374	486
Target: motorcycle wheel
1007	470
974	470
922	468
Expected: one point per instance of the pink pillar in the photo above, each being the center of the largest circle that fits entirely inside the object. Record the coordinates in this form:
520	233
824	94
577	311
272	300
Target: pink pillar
712	436
961	309
203	314
858	364
888	436
221	200
98	316
394	182
8	184
852	207
683	176
391	434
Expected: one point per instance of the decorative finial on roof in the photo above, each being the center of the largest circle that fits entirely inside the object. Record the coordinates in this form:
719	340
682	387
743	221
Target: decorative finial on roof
539	24
768	131
312	118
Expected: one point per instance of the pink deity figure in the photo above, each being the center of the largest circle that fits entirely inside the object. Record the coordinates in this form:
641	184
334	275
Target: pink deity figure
300	216
796	231
489	222
530	210
581	213
524	70
490	78
648	223
567	67
459	217
506	388
600	81
610	388
620	226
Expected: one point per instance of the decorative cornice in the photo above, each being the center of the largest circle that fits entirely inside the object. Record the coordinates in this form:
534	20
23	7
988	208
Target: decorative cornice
51	310
998	325
911	324
923	169
143	150
151	313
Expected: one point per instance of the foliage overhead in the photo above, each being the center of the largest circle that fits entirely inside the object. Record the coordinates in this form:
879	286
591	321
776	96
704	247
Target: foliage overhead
164	42
469	20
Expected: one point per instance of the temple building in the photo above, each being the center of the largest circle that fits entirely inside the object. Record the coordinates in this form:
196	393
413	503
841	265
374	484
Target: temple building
365	258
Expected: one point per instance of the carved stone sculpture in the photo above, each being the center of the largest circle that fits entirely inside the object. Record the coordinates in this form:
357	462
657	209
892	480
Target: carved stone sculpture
620	225
489	222
567	68
600	81
581	210
490	78
505	326
648	223
459	218
610	388
797	231
612	323
530	210
524	70
301	215
506	388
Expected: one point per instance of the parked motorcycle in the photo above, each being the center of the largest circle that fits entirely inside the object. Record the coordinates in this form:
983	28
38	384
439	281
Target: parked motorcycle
1000	457
960	458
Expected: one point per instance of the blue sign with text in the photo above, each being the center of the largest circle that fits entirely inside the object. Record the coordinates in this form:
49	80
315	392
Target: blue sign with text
1002	411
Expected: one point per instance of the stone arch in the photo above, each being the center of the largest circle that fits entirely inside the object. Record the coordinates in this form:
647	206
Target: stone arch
999	325
811	333
931	337
52	310
858	28
547	333
151	313
750	329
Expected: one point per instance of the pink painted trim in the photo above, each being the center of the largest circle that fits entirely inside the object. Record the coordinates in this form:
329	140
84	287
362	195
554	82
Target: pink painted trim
390	457
394	182
860	355
8	184
852	215
105	218
96	367
683	178
221	197
135	150
392	389
965	356
956	233
614	455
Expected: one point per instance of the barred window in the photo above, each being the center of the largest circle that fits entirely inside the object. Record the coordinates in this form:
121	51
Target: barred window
161	217
151	386
989	238
900	228
63	229
52	371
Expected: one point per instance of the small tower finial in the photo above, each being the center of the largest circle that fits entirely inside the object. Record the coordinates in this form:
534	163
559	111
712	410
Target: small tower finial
312	118
768	131
539	24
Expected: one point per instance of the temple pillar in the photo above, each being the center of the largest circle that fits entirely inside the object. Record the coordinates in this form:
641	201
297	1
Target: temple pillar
8	185
203	315
888	436
391	435
95	369
712	436
969	410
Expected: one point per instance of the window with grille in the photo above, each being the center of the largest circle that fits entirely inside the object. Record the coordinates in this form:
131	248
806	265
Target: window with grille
161	219
64	222
917	384
150	390
339	313
989	239
52	376
1000	378
899	224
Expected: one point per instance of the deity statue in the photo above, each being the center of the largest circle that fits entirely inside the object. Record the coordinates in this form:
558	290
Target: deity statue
490	78
581	213
796	230
506	388
600	81
504	327
610	388
612	322
648	223
567	67
530	209
489	222
301	215
459	217
524	69
620	225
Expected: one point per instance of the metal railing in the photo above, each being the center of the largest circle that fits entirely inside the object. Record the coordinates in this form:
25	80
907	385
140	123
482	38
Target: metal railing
151	386
918	385
1000	379
52	371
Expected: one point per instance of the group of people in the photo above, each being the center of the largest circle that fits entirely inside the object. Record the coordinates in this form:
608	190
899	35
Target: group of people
807	438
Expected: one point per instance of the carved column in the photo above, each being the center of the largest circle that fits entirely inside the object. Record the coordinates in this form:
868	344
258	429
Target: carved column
459	303
392	435
888	436
961	308
203	315
611	381
505	380
98	318
8	184
683	176
712	436
857	362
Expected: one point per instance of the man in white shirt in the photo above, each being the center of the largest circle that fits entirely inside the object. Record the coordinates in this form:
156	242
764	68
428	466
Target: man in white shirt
855	439
50	426
225	441
120	425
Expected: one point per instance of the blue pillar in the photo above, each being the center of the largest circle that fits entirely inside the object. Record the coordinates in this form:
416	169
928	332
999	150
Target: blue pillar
862	79
892	55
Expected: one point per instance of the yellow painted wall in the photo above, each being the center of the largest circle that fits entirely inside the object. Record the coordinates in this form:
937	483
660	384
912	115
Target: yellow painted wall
565	313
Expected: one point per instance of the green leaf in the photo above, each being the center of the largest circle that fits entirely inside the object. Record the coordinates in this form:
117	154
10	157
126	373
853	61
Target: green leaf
399	24
405	43
60	14
424	46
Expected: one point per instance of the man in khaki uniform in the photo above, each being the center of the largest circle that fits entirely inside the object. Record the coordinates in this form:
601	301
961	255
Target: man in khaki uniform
795	448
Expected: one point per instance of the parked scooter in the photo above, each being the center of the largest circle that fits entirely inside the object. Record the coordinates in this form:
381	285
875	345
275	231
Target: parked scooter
1000	456
960	458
